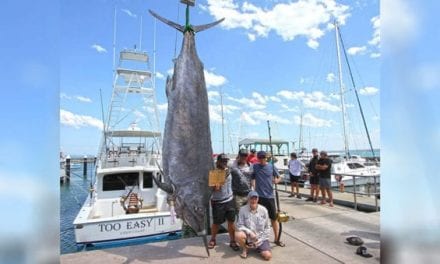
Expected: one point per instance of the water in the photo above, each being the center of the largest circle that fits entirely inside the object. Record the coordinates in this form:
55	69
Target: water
72	196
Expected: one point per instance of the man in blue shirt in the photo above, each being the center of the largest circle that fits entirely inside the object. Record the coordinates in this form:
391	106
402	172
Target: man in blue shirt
263	176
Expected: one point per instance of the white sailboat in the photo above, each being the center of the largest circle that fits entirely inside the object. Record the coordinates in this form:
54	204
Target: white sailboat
124	201
350	167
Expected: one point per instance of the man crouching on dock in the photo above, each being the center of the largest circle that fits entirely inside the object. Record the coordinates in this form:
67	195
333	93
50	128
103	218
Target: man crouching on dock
252	228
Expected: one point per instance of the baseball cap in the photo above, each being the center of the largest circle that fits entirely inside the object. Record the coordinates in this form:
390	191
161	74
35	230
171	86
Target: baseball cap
323	153
314	150
243	152
252	194
222	157
261	154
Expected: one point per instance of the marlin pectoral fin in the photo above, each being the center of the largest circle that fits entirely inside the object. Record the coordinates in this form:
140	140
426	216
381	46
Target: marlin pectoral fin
167	187
206	26
168	22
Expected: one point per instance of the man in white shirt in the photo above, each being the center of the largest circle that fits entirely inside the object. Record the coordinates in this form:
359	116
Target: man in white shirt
294	173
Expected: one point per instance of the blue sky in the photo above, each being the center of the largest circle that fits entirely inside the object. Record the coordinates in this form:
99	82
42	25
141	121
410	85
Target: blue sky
272	60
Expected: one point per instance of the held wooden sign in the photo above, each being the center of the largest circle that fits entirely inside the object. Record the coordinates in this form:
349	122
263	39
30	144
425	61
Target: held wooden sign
216	177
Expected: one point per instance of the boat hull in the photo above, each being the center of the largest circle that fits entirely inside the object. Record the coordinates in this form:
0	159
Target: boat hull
135	226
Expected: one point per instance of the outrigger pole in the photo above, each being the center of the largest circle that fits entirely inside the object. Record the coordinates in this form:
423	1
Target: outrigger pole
276	185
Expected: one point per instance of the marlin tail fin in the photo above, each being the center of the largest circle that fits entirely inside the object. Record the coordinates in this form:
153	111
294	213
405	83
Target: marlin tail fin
168	22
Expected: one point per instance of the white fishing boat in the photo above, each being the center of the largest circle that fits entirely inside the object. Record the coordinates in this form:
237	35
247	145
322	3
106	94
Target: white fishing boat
124	201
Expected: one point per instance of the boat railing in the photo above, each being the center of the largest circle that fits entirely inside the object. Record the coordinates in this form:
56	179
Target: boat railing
356	190
375	193
130	158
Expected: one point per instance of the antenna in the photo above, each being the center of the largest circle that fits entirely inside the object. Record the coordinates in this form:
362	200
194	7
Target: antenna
114	42
140	36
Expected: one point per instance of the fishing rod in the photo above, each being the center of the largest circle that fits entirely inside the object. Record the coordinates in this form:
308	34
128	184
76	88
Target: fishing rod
281	216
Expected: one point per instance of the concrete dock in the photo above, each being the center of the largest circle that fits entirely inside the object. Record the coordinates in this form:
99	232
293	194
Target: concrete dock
316	235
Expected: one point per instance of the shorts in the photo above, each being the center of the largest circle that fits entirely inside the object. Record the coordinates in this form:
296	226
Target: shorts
222	212
239	202
324	182
314	180
269	203
265	246
293	178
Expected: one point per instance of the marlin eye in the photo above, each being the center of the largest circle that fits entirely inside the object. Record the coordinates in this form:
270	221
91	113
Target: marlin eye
198	209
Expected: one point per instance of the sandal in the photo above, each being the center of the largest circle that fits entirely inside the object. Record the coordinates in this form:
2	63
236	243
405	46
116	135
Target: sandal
212	243
279	243
243	255
234	246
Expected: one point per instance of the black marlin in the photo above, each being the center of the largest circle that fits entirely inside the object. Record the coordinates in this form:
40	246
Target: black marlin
187	150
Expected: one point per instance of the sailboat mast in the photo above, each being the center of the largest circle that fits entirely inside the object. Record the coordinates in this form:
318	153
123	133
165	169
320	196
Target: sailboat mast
342	90
223	121
357	96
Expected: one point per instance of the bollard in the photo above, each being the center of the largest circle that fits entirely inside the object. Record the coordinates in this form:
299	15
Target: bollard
85	166
68	168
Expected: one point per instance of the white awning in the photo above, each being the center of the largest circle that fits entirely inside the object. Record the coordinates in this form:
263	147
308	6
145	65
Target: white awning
133	75
133	55
132	89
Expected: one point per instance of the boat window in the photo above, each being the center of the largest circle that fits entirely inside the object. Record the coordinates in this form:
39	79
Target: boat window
355	165
148	180
118	181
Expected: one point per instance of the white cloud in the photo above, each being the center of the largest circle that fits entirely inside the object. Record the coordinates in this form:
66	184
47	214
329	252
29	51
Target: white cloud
368	90
70	119
140	115
316	99
375	55
213	94
98	48
251	37
65	96
357	50
162	107
170	71
213	80
312	121
83	99
129	13
319	104
331	77
248	102
247	119
375	39
291	95
160	76
258	117
305	18
275	99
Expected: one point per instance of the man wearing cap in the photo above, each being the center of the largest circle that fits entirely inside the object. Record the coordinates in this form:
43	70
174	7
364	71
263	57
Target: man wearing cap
222	204
263	176
252	158
324	166
314	178
253	227
241	181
